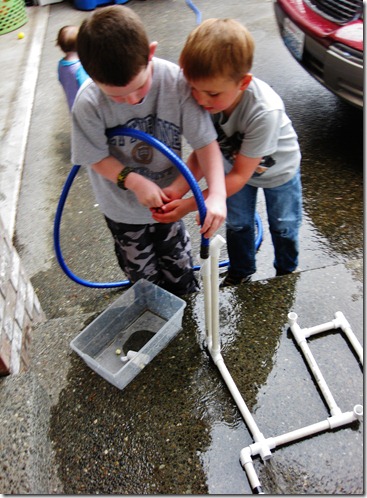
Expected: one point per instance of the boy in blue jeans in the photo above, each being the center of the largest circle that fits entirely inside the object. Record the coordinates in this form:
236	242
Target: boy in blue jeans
257	140
131	87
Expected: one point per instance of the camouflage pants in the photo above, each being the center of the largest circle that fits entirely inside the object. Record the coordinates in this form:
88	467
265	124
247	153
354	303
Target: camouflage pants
160	253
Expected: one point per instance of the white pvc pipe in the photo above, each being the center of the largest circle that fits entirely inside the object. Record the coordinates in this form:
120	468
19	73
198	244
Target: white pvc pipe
347	329
317	329
325	425
302	343
205	271
339	322
214	251
215	246
263	446
136	357
247	464
264	451
273	442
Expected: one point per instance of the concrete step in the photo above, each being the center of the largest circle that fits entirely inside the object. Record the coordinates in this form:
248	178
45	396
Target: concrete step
26	401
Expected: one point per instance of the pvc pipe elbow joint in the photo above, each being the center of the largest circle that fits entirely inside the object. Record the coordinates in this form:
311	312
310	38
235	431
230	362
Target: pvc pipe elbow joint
245	456
216	355
340	321
358	412
248	466
292	318
298	333
215	245
346	418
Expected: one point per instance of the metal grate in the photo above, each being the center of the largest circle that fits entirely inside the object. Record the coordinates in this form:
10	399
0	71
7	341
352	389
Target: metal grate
338	11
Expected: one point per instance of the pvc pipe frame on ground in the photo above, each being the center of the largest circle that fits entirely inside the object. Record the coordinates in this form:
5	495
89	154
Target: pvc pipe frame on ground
262	446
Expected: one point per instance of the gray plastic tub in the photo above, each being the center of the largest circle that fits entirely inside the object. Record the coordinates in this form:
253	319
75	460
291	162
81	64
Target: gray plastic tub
121	341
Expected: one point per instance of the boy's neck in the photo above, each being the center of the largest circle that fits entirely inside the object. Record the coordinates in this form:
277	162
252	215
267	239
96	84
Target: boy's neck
71	56
227	112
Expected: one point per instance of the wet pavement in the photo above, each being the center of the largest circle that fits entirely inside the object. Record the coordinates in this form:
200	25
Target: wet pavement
175	428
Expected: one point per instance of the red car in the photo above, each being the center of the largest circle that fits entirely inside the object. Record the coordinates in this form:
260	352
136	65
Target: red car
326	38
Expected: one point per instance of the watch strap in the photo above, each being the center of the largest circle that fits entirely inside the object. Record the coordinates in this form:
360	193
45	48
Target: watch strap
122	177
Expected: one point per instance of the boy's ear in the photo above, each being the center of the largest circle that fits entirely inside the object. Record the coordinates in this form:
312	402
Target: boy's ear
152	49
246	80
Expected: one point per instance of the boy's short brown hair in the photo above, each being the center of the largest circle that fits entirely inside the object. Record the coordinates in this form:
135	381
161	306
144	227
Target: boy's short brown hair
217	48
113	46
66	38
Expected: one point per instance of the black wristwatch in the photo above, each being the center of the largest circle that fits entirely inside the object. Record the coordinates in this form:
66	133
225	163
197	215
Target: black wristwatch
122	177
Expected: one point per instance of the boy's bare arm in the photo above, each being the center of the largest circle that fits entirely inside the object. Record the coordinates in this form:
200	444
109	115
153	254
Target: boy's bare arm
146	191
243	168
207	162
211	164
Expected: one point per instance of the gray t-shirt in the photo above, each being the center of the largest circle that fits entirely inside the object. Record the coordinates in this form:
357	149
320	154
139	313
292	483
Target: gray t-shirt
167	112
259	127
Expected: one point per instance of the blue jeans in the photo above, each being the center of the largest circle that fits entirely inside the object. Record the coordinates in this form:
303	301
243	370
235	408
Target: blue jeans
284	209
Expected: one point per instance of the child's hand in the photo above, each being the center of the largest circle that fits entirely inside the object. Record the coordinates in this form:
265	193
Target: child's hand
170	212
215	215
146	191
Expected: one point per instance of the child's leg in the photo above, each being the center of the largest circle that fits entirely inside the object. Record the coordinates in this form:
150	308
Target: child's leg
135	251
173	250
241	232
284	207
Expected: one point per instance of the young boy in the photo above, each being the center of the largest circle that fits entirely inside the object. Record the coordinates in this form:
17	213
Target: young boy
257	140
133	88
70	71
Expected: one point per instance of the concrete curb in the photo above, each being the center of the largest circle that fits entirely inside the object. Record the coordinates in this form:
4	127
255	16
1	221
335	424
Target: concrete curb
14	140
27	456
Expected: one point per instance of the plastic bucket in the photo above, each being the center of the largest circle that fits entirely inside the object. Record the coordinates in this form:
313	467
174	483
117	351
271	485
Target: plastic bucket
13	14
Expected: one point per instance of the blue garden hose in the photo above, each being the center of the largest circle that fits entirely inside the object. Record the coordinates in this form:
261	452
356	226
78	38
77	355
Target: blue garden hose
195	9
177	161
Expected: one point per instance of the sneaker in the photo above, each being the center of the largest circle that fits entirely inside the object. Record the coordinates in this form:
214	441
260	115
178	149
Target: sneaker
280	273
232	280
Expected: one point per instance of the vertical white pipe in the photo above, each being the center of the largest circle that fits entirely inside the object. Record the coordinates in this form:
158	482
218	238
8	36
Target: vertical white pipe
206	277
214	252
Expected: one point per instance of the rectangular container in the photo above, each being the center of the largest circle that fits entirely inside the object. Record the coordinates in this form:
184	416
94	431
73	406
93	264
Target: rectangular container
143	320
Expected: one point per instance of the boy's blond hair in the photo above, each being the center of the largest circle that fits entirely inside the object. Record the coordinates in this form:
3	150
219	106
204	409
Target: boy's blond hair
217	48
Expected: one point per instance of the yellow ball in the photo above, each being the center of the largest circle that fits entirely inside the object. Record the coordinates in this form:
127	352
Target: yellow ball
20	35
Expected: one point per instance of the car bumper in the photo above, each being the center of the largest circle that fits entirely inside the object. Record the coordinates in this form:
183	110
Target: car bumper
336	66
